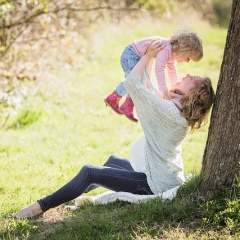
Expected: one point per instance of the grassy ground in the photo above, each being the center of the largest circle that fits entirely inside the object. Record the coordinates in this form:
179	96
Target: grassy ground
64	124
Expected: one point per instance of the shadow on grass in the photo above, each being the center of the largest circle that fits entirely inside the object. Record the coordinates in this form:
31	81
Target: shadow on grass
182	218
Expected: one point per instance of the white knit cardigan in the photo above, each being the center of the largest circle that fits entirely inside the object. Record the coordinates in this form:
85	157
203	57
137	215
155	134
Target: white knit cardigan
164	129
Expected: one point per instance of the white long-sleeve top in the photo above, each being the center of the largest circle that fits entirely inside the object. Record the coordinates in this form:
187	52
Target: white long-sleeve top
164	129
137	155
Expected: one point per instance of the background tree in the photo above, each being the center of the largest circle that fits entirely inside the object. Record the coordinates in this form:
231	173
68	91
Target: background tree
221	160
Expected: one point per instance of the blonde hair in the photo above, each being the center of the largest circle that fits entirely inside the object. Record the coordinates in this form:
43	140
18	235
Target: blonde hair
187	43
197	103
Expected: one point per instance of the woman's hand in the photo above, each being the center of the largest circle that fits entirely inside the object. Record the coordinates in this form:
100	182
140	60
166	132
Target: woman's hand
154	47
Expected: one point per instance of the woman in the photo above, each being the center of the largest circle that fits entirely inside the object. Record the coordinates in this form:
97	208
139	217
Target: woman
155	160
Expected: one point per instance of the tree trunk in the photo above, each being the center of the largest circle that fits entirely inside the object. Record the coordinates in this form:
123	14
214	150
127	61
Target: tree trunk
221	160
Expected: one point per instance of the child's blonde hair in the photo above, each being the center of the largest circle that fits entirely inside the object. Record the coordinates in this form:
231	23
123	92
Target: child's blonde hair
187	43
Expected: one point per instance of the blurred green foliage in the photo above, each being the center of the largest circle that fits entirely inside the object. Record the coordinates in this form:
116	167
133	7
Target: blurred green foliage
159	6
216	11
221	12
41	35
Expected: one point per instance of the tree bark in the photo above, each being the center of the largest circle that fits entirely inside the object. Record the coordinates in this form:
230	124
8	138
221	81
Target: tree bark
221	160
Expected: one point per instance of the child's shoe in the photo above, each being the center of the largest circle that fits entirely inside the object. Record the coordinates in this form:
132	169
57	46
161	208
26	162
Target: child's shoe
113	101
127	109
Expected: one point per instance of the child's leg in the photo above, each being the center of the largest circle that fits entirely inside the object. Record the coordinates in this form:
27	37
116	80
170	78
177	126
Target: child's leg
129	59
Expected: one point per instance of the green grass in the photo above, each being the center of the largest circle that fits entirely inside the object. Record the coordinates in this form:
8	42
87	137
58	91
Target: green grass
64	124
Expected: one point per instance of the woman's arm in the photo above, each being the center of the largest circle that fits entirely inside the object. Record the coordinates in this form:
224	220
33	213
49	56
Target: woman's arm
149	71
152	51
150	107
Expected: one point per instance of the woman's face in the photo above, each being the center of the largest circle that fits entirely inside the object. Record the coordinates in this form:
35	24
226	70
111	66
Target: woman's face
187	83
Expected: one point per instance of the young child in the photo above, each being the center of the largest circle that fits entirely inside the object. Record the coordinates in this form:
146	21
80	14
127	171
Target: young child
182	46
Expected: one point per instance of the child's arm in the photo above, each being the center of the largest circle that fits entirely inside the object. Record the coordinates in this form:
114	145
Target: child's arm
172	72
161	61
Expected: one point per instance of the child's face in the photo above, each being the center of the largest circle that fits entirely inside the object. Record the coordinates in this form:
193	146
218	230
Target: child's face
181	57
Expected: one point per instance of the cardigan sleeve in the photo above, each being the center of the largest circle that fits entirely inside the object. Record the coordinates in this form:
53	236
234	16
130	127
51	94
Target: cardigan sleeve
150	106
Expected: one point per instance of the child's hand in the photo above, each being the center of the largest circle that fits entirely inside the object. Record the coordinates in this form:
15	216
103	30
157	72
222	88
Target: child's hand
165	95
176	99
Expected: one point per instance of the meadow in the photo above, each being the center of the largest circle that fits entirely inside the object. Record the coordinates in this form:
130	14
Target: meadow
64	124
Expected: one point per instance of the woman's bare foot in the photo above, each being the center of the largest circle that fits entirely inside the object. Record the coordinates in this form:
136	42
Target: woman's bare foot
29	212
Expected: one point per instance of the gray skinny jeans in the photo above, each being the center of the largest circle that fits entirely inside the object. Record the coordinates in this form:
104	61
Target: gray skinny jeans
116	174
